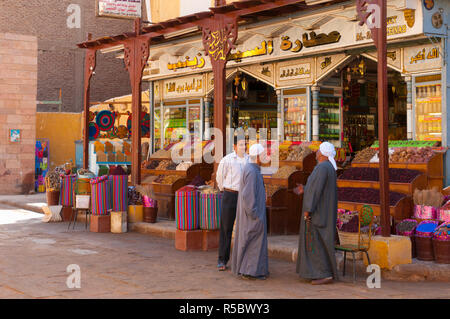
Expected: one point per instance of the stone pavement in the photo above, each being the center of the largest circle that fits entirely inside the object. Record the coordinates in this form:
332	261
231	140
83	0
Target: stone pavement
279	247
35	256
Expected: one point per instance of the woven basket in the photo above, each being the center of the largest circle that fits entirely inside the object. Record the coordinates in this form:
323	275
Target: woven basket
346	238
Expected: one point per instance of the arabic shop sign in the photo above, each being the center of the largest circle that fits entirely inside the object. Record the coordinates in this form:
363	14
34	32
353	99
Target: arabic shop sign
266	48
394	26
422	57
119	8
196	63
300	71
191	86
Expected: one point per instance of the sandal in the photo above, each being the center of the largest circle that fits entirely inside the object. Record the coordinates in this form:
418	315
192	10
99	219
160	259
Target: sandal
222	267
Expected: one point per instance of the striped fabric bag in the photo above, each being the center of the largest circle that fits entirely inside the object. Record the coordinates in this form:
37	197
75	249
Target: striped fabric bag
119	192
186	208
209	210
100	195
67	187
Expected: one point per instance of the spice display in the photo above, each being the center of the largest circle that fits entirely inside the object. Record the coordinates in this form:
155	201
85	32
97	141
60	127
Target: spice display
271	189
283	154
396	175
197	181
206	189
167	179
284	172
52	181
426	228
365	155
163	165
150	164
183	166
298	153
411	155
172	166
366	195
134	197
161	154
428	197
149	179
117	170
344	217
83	171
442	232
406	227
210	183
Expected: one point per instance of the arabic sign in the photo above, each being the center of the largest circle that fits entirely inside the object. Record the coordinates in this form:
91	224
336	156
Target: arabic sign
329	62
196	63
266	48
119	8
421	58
300	71
295	72
181	87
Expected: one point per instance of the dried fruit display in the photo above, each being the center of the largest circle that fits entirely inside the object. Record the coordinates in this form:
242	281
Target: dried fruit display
183	166
406	225
365	155
163	165
284	155
161	154
170	179
210	183
298	153
172	166
396	175
271	189
150	164
134	197
411	155
366	196
284	172
52	181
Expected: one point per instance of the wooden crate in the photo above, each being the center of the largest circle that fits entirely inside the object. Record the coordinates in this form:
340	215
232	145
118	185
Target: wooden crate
433	169
420	182
402	210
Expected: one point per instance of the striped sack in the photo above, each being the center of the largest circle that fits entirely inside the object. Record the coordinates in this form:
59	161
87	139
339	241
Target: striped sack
100	195
67	188
119	192
186	208
209	210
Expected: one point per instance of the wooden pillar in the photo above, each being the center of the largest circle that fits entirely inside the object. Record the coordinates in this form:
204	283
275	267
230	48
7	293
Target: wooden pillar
219	37
89	67
378	31
136	52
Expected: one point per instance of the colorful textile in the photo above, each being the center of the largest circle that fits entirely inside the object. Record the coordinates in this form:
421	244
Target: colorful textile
444	213
209	211
100	195
186	208
67	188
425	212
442	232
426	228
149	202
119	192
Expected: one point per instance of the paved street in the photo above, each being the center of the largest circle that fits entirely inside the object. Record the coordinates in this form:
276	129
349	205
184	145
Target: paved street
35	256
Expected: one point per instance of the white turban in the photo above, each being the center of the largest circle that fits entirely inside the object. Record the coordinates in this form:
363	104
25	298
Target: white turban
327	149
256	149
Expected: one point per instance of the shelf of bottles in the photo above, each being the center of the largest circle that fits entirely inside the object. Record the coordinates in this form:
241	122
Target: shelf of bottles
429	112
329	119
295	118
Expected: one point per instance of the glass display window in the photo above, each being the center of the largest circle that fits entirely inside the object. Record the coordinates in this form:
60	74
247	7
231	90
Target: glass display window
157	126
174	124
295	118
428	110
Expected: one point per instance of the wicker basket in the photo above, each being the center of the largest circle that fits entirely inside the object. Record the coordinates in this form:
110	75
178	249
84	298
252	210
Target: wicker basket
346	238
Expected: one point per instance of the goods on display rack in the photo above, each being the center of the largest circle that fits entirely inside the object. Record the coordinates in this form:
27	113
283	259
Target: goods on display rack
330	124
428	111
295	118
300	156
354	198
41	164
427	203
400	180
422	159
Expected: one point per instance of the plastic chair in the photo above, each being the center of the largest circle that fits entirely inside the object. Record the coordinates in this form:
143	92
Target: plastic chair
365	218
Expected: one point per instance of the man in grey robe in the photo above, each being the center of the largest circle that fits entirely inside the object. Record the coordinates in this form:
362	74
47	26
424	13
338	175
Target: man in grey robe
316	248
250	256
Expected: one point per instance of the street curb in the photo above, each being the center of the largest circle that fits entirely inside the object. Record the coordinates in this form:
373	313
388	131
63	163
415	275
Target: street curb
23	206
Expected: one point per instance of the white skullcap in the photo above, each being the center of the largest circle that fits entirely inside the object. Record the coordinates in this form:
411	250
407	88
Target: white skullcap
256	149
327	149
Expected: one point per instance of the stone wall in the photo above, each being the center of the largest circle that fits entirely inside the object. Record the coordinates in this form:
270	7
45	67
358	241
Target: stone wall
18	87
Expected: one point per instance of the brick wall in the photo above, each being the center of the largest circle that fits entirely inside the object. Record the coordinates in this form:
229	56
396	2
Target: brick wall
18	87
60	62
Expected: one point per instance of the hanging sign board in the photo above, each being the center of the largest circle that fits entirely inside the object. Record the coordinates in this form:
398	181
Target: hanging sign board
128	9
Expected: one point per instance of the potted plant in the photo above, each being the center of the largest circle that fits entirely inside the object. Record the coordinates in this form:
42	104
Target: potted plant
150	204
